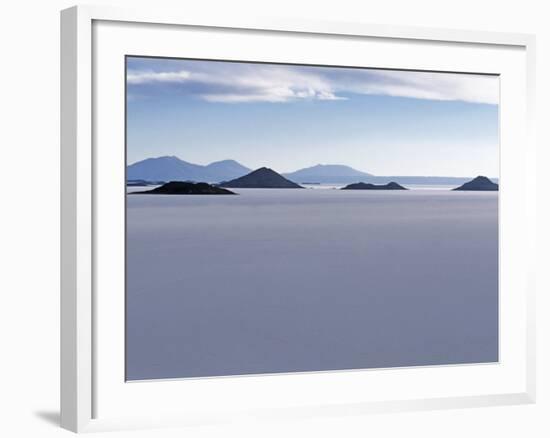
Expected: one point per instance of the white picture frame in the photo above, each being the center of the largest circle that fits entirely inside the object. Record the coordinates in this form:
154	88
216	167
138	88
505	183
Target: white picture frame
86	376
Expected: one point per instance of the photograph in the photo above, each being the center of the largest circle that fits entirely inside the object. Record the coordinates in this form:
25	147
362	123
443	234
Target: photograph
291	218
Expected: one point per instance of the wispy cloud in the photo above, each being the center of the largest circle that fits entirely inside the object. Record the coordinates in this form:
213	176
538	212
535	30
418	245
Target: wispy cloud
434	86
241	82
232	83
143	77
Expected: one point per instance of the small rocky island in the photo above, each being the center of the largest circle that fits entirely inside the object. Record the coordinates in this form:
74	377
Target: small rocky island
262	178
186	188
479	183
368	186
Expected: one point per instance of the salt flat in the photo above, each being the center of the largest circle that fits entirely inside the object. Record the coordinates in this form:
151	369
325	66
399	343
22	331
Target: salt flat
284	280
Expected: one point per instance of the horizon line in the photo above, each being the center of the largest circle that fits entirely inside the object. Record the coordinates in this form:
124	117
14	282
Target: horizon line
307	167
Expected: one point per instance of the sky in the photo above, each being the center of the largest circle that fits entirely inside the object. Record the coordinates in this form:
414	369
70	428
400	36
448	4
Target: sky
287	117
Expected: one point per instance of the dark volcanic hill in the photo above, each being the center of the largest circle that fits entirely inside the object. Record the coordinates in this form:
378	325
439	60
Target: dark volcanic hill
186	188
367	186
262	178
479	183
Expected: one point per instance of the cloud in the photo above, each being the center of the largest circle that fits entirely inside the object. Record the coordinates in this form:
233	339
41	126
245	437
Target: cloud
273	95
229	82
143	77
242	83
435	86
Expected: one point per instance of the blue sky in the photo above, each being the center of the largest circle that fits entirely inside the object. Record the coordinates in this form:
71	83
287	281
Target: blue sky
289	117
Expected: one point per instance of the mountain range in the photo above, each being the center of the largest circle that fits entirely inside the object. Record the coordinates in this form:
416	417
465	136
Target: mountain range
171	168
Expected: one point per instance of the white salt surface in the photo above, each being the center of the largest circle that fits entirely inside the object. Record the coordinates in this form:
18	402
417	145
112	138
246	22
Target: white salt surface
303	280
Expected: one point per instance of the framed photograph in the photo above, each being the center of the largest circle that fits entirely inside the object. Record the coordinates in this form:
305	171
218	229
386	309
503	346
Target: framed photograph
280	218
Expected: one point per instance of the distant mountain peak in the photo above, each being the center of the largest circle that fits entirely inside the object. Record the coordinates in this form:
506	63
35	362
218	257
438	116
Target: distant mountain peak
167	157
328	173
262	178
318	165
224	161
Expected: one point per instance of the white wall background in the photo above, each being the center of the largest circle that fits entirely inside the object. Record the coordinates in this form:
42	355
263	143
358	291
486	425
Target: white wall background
29	219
